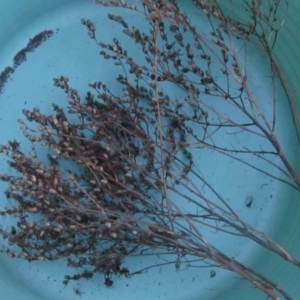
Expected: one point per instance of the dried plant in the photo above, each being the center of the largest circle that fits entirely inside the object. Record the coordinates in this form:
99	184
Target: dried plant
121	174
21	56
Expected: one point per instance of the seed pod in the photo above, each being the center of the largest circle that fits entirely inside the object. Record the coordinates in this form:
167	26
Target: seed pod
55	121
16	155
33	154
108	224
91	34
32	209
40	171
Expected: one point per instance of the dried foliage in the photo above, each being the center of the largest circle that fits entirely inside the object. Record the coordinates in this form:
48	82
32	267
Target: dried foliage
108	190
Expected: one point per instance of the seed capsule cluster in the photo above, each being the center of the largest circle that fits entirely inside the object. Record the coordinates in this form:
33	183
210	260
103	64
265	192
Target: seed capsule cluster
91	209
20	57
